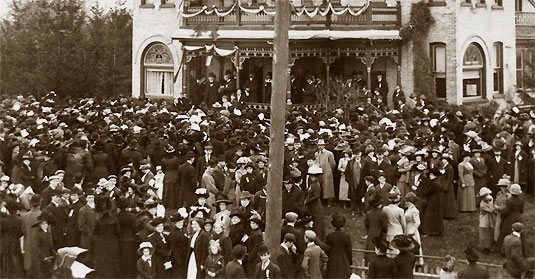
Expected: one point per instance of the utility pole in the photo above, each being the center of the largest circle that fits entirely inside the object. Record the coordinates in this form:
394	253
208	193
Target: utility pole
278	122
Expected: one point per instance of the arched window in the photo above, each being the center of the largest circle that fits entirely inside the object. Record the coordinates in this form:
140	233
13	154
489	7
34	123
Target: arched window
473	72
158	71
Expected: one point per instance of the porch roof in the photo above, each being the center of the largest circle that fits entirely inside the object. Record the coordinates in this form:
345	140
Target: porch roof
184	34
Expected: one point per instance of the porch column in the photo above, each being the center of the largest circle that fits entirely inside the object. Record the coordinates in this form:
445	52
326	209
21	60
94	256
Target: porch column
291	63
327	60
185	74
368	61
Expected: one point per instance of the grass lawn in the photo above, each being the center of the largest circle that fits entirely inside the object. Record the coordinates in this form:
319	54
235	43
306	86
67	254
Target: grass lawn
458	234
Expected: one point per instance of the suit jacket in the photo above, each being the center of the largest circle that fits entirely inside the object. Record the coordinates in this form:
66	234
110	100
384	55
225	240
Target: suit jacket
28	219
313	261
383	192
254	89
285	260
144	270
146	181
211	93
293	201
496	170
73	231
219	178
177	241
376	223
58	229
234	270
272	271
473	271
513	253
161	253
86	224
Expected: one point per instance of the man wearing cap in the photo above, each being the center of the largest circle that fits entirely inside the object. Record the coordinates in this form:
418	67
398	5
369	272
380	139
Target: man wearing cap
87	219
187	181
314	257
514	252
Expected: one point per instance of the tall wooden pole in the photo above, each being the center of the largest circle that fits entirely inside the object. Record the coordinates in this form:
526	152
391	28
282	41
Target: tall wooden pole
278	121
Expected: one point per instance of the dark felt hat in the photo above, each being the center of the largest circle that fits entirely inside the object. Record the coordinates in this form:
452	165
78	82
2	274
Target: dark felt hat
338	221
156	221
238	252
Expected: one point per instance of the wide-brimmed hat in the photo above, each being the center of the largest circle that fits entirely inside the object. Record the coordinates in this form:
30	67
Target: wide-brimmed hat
222	198
156	221
125	169
44	217
201	192
402	242
394	195
406	150
484	191
515	189
321	142
236	212
471	134
503	182
145	245
341	146
245	195
338	221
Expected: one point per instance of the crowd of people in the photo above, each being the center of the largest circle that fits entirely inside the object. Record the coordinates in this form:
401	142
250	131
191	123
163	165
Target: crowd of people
160	189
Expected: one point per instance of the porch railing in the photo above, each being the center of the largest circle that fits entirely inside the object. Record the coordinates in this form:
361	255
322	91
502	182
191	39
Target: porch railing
376	15
525	19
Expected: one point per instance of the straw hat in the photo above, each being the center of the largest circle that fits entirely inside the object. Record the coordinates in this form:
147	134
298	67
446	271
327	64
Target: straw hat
515	189
484	191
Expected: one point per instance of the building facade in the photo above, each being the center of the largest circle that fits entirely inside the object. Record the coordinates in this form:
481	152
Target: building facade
525	43
177	43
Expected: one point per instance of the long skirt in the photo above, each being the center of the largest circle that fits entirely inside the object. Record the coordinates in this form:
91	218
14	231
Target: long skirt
467	199
497	227
486	238
170	195
343	194
192	267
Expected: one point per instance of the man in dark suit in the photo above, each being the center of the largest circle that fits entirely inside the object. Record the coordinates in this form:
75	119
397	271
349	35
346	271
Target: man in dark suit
252	86
497	167
147	177
285	258
383	164
355	180
202	162
211	92
266	268
187	181
73	232
472	270
234	269
229	85
512	245
382	188
296	84
219	173
382	85
61	217
292	198
198	89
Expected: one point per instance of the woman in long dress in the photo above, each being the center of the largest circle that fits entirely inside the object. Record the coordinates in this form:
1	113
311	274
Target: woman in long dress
412	217
170	164
198	249
465	194
343	194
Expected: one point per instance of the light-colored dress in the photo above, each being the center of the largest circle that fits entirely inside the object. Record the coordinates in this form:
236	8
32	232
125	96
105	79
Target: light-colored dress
224	218
486	223
412	217
466	196
343	194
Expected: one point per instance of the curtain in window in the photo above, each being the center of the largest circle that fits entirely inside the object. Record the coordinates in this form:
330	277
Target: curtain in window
159	83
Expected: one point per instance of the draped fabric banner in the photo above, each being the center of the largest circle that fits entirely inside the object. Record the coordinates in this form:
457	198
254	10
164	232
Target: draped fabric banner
299	11
210	48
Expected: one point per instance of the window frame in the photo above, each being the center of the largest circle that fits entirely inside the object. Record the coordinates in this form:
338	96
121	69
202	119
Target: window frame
498	68
439	75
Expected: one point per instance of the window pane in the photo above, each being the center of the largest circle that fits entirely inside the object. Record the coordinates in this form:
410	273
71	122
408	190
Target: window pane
440	84
440	59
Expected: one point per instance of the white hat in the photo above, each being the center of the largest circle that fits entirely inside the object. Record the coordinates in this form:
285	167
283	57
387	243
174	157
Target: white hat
321	142
515	189
484	191
4	178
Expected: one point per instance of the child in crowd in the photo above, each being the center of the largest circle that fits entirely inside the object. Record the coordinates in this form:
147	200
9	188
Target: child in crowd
145	266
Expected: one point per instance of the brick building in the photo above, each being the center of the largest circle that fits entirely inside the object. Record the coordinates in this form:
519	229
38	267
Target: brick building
471	47
525	43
